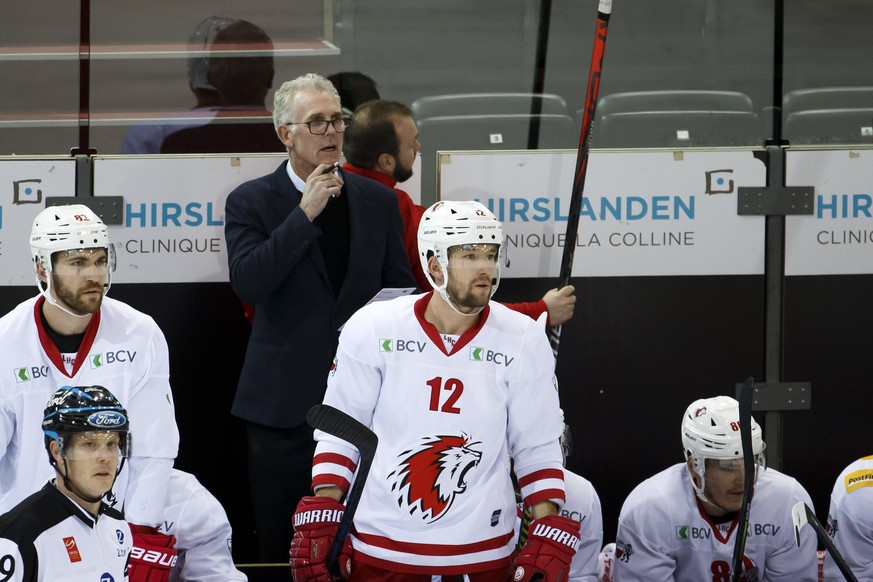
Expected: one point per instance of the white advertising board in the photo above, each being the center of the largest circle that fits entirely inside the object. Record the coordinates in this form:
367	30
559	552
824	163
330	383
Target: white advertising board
643	213
24	186
173	229
838	238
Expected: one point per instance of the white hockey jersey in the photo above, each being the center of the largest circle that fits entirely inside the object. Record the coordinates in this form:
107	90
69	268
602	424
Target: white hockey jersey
850	521
583	505
123	351
663	534
439	499
49	538
203	533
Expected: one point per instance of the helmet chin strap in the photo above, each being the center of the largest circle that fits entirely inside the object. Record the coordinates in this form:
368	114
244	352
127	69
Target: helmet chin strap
69	485
445	296
699	491
47	293
81	495
442	290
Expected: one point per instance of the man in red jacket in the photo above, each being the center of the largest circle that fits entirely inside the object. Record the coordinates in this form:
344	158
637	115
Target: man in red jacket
382	143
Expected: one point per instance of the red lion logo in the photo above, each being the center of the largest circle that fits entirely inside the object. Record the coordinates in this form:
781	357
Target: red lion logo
429	477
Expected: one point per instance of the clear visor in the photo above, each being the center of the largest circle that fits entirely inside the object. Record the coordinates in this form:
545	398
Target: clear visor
83	262
474	256
734	467
95	446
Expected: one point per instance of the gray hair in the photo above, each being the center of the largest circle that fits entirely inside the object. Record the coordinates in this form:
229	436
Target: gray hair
285	95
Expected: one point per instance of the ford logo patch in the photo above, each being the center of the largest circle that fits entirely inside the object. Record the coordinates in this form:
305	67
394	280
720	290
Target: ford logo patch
107	419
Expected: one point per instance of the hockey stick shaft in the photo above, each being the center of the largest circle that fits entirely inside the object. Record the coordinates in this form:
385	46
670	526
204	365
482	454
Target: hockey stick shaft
604	10
339	424
802	514
748	476
536	105
524	528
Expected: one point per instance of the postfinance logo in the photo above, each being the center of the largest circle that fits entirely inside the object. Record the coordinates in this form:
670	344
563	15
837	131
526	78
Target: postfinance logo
681	532
477	354
386	345
857	479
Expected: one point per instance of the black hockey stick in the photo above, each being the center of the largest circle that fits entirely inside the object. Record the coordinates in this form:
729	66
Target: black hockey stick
604	10
536	105
801	514
748	477
339	424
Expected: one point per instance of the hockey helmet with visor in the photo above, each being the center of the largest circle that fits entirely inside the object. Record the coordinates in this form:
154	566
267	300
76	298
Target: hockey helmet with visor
711	430
449	224
83	409
72	227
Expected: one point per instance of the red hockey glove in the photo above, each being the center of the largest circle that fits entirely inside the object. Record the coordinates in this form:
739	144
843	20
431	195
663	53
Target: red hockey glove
152	556
315	523
551	544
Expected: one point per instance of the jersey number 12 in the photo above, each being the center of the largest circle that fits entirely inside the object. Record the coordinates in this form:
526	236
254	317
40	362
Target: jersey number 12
453	386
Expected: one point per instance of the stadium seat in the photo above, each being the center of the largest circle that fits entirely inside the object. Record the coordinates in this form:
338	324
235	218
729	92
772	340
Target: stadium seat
678	129
486	104
827	98
830	126
680	118
487	132
680	100
828	115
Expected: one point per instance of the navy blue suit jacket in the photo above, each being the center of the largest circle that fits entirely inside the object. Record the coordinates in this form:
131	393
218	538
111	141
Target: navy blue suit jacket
277	266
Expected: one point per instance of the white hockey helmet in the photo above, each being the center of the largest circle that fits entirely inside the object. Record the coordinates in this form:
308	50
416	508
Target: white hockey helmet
451	223
711	430
64	228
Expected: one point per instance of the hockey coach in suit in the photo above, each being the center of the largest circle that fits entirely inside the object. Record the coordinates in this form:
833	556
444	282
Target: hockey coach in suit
307	246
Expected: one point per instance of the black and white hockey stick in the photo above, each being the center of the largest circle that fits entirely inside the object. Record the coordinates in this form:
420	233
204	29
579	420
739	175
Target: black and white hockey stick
748	477
339	424
801	514
604	10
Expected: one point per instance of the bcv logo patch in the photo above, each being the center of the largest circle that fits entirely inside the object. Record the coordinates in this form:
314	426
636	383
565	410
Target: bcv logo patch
479	354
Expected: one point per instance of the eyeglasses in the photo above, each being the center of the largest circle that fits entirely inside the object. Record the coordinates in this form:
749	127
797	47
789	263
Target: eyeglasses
319	126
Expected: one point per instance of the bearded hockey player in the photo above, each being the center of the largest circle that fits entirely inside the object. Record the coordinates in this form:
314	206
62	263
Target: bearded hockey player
454	385
681	524
71	333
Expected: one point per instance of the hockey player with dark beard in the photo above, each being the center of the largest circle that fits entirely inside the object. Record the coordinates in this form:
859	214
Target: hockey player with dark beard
454	385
